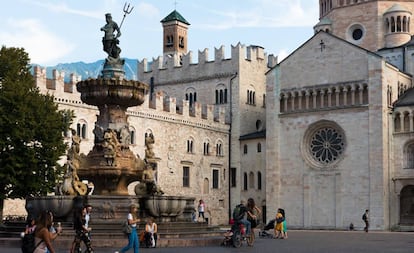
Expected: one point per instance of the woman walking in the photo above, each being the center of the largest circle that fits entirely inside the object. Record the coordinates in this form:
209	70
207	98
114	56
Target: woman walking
43	238
133	219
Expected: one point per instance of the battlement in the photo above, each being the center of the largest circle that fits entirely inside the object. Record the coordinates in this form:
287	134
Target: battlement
56	83
157	105
239	53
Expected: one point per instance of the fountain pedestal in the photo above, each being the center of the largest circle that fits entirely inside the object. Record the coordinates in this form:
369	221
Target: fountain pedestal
111	165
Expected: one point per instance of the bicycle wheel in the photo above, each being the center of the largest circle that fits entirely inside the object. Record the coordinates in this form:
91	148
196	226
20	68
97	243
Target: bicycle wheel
237	239
250	239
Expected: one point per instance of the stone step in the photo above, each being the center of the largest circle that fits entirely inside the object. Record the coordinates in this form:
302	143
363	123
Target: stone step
65	243
174	234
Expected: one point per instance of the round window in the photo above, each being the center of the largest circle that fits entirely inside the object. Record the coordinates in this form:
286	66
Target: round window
355	33
324	144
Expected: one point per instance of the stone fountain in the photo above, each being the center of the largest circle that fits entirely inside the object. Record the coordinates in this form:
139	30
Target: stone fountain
111	166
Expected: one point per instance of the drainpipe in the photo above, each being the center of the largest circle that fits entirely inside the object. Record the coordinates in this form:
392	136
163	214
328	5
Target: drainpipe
231	120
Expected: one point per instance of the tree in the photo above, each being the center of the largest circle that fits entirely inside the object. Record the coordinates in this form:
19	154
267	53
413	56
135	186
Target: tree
31	130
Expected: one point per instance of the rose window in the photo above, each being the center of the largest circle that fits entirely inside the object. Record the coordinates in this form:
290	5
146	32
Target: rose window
326	145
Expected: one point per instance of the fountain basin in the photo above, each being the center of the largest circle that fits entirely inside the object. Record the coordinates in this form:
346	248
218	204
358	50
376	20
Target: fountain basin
111	91
60	206
166	208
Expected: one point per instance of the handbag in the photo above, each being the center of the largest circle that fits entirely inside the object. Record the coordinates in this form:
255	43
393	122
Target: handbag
126	228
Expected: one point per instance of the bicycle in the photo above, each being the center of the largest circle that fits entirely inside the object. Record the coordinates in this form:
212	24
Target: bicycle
239	234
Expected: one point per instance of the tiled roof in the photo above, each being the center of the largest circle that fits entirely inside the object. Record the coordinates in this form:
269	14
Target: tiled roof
175	16
406	99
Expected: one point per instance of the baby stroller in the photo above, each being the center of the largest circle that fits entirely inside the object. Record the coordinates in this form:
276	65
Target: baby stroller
269	226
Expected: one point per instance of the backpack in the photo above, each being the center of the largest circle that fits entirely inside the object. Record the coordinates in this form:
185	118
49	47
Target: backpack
364	217
28	243
237	213
126	228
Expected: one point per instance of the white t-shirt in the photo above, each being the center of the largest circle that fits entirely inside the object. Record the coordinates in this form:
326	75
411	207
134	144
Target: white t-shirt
87	218
131	218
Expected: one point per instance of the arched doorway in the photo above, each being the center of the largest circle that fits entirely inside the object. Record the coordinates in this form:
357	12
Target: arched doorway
407	205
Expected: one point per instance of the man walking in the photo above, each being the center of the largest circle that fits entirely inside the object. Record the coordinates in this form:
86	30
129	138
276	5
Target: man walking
365	218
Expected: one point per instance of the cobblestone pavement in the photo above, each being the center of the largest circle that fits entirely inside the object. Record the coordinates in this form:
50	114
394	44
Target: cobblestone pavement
299	242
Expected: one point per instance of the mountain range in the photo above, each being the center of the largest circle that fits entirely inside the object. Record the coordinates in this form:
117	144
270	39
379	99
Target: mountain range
91	70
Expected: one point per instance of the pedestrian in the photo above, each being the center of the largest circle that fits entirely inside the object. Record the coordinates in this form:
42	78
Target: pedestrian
81	232
253	213
239	215
279	225
88	219
284	226
201	209
43	238
365	218
30	225
151	230
133	219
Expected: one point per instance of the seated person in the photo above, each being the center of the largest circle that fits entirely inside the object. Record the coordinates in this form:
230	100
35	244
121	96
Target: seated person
151	230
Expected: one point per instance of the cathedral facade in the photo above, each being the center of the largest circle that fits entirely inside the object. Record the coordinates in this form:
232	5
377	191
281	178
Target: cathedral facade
339	109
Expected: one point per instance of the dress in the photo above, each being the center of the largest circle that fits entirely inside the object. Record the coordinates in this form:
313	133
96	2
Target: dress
279	222
42	246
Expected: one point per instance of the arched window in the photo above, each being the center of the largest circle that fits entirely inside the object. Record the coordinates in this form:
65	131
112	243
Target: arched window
259	180
259	147
206	148
219	149
221	94
245	149
191	96
245	181
406	205
81	129
132	132
251	97
409	156
397	123
190	146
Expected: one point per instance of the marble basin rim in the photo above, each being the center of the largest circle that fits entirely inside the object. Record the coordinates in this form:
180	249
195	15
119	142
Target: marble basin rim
60	206
165	206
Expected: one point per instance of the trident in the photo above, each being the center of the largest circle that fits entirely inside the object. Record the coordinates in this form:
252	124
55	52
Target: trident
126	11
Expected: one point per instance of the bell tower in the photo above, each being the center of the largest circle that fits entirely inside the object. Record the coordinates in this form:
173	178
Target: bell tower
370	24
175	34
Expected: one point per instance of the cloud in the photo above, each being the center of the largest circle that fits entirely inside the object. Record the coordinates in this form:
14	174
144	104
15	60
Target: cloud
264	13
64	8
147	10
42	46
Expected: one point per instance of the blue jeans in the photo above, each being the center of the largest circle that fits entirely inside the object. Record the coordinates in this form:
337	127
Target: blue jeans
248	225
133	242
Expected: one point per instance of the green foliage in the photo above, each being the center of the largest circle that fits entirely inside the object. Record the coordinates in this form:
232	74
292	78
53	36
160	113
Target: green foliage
31	130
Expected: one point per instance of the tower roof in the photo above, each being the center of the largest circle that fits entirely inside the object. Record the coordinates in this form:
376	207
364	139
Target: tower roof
175	16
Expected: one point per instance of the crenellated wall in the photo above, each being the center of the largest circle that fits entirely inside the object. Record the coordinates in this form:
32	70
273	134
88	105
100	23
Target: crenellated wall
65	92
174	65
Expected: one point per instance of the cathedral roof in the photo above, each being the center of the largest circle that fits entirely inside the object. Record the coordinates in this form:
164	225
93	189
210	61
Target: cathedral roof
407	99
175	16
324	21
255	135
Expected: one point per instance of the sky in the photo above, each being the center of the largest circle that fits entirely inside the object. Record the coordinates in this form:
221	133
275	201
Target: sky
66	31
